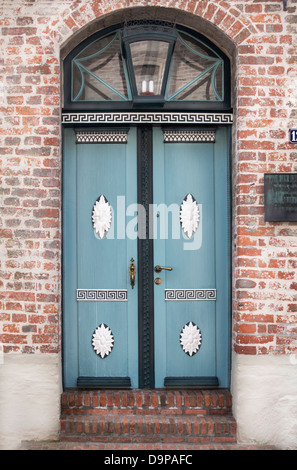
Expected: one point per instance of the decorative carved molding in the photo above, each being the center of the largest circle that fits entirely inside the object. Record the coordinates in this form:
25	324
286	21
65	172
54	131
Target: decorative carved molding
147	118
190	338
189	215
101	216
190	294
145	249
103	341
118	136
194	135
102	295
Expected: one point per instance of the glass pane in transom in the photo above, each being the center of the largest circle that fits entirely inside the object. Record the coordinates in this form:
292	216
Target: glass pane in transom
195	73
149	61
98	72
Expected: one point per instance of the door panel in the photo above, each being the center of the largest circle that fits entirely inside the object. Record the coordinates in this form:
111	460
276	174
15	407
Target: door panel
199	265
100	275
192	299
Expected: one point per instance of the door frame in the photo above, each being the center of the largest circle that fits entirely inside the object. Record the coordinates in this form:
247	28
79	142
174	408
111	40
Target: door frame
144	122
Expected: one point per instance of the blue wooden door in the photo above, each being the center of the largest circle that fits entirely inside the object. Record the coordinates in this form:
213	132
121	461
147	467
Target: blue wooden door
189	234
191	219
100	306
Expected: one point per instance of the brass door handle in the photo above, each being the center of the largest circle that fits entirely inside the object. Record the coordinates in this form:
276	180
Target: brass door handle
132	272
158	268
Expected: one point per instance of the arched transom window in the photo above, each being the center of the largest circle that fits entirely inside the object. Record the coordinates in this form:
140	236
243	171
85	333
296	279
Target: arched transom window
143	64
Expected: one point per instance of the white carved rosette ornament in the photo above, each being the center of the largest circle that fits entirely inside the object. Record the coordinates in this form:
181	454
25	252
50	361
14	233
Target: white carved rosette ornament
190	338
103	340
101	216
189	215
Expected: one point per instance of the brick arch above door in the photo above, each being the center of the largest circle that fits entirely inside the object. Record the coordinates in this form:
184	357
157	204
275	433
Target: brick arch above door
225	24
226	28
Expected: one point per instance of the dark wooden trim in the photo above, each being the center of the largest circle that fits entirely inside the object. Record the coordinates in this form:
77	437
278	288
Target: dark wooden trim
145	259
203	106
191	382
104	382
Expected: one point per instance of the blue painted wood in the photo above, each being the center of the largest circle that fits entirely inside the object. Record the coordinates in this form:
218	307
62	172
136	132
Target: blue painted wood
204	262
201	170
93	263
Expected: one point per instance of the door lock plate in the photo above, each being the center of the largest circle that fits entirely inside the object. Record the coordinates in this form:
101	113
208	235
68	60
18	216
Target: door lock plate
132	272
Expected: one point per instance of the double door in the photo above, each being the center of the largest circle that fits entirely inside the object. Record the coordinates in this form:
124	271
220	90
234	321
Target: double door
146	259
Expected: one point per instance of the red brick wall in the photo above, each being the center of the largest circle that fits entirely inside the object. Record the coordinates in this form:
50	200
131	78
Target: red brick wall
264	254
264	306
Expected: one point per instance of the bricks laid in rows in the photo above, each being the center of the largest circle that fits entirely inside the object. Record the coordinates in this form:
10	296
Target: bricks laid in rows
138	428
264	300
150	401
147	416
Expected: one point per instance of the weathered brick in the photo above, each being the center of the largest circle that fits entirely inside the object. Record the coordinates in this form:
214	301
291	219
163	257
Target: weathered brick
264	258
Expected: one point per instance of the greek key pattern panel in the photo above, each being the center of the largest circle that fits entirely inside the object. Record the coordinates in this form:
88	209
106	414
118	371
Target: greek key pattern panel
147	118
102	295
190	294
174	136
102	137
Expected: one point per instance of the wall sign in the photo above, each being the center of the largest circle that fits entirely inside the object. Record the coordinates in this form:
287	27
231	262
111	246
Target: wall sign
280	197
293	136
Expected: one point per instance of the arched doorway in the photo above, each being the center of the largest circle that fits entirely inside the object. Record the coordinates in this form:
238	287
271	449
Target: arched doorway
146	209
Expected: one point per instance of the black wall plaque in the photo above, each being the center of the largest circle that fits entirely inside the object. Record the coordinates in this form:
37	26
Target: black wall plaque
280	197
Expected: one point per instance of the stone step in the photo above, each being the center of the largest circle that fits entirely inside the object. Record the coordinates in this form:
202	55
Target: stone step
148	428
147	402
141	446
